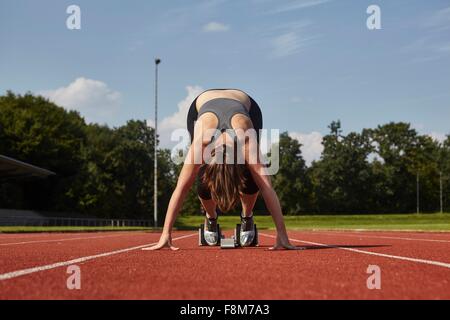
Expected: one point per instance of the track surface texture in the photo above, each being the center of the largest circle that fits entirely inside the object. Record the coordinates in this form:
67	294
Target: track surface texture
333	265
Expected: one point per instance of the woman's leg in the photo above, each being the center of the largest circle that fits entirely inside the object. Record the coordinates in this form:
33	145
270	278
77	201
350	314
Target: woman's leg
204	195
247	234
248	203
211	231
210	207
249	194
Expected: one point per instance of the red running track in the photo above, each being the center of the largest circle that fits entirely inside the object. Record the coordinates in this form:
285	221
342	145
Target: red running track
332	266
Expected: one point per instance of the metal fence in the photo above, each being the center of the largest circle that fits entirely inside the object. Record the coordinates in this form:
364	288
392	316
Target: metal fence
72	222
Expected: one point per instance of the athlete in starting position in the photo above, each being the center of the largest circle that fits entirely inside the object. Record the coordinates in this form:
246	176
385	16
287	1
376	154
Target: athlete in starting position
216	119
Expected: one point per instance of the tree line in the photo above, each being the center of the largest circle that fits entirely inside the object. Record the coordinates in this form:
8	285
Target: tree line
389	169
108	172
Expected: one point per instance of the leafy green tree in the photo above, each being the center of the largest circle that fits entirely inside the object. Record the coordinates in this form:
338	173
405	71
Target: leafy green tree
167	180
426	167
444	170
95	181
119	167
108	172
291	182
395	145
191	205
406	156
101	171
39	132
342	178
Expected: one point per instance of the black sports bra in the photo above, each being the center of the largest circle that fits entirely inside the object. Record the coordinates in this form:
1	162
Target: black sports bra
224	109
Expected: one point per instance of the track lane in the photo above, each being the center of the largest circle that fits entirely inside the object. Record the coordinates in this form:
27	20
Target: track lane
31	255
407	236
251	273
435	251
59	240
23	272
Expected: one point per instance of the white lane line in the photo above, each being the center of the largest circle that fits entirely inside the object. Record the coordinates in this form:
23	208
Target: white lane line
23	272
431	262
9	236
30	237
384	237
60	240
43	236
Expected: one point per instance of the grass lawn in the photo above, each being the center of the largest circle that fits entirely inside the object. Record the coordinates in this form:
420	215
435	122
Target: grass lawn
415	222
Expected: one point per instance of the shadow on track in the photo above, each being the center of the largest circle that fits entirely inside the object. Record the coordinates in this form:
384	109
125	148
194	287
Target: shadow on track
332	246
312	247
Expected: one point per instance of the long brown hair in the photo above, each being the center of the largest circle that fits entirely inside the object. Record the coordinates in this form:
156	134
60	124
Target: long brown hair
225	181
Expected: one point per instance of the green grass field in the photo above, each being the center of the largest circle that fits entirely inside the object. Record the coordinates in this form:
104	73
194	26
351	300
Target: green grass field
414	222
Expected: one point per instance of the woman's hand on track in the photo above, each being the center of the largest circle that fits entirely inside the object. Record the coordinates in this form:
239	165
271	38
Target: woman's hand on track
164	242
283	243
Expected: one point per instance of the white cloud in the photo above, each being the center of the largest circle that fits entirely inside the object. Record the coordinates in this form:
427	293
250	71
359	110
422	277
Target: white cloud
285	45
210	4
443	48
267	140
297	5
289	38
373	156
433	45
421	129
312	147
215	27
437	136
288	44
440	19
95	101
417	126
177	120
182	15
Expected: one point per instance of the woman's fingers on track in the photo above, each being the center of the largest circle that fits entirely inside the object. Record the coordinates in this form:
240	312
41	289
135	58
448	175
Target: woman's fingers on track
285	247
161	246
276	247
156	246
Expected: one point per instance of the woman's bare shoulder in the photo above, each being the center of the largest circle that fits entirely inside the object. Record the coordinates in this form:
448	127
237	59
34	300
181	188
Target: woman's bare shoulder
228	93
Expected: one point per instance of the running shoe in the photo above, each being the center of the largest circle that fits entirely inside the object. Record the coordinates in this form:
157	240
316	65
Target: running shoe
211	231
247	231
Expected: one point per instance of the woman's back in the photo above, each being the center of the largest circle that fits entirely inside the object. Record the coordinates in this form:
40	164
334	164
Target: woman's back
226	93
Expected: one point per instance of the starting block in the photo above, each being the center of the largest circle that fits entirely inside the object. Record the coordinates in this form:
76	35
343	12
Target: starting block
228	243
201	236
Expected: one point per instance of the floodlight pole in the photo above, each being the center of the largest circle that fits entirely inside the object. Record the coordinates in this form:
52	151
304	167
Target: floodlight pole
155	185
440	192
418	193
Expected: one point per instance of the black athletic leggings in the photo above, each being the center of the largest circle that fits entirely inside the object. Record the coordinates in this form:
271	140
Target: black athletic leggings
250	185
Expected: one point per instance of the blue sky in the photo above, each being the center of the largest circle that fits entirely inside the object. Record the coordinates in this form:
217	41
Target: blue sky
306	62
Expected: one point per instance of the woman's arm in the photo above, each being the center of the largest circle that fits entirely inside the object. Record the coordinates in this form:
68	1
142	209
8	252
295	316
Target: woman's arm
194	159
185	182
262	179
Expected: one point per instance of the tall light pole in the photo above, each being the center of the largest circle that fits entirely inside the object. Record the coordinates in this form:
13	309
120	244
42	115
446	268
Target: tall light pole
418	193
155	185
440	192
